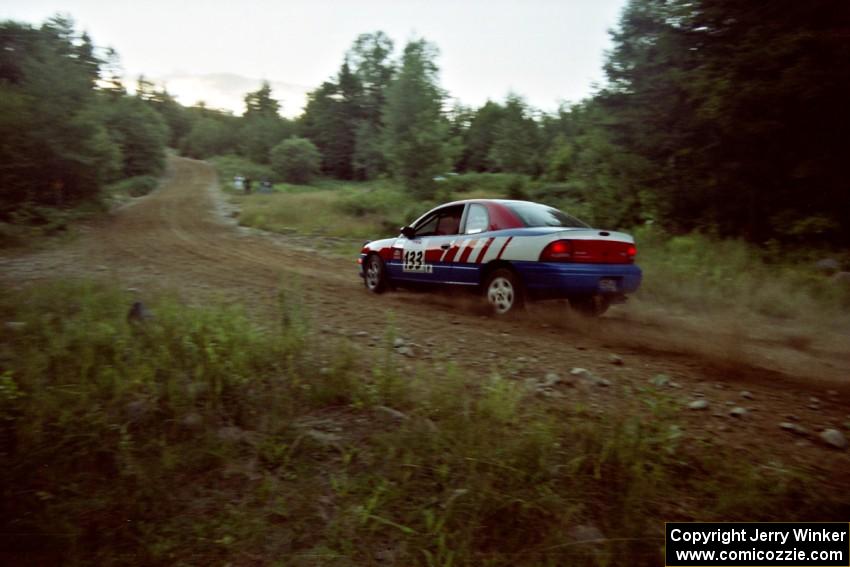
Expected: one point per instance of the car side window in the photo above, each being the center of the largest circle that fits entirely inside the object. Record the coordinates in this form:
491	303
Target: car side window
444	222
428	227
477	220
450	221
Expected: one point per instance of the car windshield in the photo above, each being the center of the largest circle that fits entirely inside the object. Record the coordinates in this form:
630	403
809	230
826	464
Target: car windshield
534	214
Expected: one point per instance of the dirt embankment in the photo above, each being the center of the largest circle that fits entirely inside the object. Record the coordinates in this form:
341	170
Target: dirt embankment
181	238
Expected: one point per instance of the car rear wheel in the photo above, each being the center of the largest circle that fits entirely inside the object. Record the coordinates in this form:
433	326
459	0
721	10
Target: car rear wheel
375	274
503	292
590	305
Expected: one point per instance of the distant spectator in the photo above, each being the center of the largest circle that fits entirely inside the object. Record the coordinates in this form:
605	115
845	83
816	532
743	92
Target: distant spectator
247	185
266	185
238	183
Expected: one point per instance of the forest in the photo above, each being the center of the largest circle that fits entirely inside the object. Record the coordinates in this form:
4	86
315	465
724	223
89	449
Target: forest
718	117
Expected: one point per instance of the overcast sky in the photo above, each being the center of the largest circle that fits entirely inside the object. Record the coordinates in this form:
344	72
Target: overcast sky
547	51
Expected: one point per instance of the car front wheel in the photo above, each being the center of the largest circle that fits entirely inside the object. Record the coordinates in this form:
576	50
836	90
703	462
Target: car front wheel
375	274
503	292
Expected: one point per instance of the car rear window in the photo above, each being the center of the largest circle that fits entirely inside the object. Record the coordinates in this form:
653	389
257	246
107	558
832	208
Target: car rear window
533	214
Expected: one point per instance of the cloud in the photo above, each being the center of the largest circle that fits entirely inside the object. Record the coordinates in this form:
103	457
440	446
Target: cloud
227	91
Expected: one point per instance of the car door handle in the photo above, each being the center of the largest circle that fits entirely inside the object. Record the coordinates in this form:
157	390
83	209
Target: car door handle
445	246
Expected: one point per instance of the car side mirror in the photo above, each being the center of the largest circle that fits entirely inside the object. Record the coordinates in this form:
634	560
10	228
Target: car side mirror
408	232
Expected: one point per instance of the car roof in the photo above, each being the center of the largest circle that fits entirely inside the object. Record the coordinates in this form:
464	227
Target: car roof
500	201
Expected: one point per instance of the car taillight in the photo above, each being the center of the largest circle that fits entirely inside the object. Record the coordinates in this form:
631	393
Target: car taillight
589	252
557	251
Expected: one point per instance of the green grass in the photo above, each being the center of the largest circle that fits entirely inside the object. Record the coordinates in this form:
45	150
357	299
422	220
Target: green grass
704	274
203	436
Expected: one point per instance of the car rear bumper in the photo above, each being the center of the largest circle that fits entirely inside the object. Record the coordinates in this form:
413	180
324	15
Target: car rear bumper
562	280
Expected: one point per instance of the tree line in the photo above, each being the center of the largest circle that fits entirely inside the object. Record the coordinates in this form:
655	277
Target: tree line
64	136
718	116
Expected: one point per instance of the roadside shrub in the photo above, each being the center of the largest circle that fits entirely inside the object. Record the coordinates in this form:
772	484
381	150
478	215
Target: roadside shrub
296	160
134	186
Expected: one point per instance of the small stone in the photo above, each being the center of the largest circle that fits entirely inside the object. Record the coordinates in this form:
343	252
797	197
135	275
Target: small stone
698	405
587	533
139	313
393	413
192	421
793	417
15	325
832	393
551	379
814	400
323	438
747	395
604	382
615	359
230	434
834	438
675	385
398	342
699	395
406	351
582	373
738	412
361	334
827	265
660	380
788	426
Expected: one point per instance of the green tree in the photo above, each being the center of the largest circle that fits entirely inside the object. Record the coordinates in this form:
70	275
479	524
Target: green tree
415	130
331	119
514	147
140	132
211	134
55	149
296	160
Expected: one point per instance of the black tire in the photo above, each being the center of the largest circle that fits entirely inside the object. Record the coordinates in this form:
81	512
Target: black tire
590	305
503	292
375	274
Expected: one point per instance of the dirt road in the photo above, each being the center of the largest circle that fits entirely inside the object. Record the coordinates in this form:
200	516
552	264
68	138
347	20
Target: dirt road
181	238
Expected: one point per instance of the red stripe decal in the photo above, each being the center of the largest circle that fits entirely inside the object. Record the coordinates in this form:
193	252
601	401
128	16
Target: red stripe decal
467	251
505	245
450	256
484	250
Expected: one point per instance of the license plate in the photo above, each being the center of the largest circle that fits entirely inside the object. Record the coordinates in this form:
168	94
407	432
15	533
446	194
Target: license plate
608	285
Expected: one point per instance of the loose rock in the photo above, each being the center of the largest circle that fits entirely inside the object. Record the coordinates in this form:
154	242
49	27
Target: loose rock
738	412
551	379
585	533
615	359
393	413
834	438
698	405
794	428
660	380
827	265
747	395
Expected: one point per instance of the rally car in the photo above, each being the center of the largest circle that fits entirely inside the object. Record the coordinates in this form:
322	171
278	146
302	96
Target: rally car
510	251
